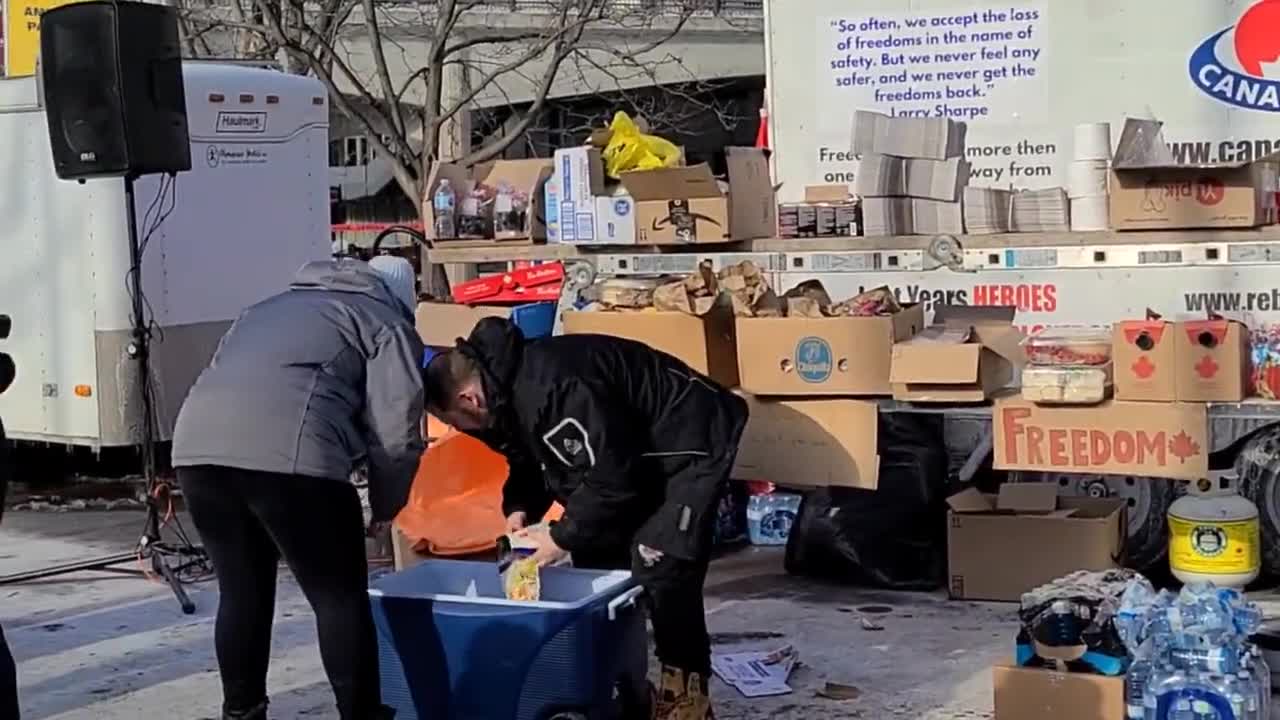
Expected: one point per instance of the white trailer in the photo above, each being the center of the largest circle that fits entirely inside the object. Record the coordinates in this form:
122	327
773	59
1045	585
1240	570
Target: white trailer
253	208
1022	74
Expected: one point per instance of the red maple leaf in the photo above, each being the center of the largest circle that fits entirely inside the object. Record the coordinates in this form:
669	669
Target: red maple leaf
1143	367
1182	446
1207	368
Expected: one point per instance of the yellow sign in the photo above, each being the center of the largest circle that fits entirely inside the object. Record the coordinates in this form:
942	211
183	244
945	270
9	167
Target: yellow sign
22	33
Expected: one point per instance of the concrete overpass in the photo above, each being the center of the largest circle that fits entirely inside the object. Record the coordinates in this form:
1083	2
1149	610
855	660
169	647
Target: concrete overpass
723	42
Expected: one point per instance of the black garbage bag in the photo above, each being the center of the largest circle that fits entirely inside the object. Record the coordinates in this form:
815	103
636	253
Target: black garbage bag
892	537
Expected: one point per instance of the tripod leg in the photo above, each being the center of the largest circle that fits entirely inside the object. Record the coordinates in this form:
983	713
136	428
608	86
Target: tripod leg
163	570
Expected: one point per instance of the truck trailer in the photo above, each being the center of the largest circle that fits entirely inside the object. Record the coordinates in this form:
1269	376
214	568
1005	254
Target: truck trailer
1022	76
230	232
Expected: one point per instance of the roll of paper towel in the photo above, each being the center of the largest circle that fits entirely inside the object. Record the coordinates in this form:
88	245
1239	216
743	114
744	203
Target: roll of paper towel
1092	142
1087	178
1089	214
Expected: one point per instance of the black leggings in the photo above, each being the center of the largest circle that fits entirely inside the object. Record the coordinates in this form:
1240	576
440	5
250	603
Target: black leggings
247	521
8	682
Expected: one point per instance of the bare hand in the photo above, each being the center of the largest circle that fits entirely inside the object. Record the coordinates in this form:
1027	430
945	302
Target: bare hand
517	521
547	552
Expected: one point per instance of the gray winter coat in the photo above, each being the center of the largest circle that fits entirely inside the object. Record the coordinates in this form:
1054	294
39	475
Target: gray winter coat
311	382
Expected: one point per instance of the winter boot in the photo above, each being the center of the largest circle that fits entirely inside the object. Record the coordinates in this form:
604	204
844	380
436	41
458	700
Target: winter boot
257	712
682	696
671	691
697	705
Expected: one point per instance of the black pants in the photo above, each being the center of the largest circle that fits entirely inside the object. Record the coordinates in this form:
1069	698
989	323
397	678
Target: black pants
673	585
247	521
8	682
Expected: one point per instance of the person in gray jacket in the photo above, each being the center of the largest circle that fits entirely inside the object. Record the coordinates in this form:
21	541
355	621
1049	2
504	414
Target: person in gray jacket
303	387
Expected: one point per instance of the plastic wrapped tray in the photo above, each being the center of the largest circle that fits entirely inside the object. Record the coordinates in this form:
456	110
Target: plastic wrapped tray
1069	346
1067	385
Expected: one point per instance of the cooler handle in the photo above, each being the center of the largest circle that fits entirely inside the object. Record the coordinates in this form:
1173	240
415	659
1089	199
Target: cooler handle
625	600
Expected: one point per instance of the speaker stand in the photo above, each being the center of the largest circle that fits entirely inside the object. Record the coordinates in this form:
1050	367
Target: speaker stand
168	560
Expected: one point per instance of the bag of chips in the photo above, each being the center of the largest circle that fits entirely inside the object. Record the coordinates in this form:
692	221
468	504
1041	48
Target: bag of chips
522	580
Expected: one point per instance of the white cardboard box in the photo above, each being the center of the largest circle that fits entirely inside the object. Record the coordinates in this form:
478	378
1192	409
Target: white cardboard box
615	220
580	175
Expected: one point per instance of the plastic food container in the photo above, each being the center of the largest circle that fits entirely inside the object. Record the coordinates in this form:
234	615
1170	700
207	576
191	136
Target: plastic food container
1069	346
1067	385
452	647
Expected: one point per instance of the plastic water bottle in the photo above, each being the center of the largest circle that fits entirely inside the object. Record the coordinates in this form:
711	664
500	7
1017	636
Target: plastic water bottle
1135	688
770	517
1251	694
444	205
1209	659
1261	673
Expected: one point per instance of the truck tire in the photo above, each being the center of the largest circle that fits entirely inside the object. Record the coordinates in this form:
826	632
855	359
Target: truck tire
1258	465
1148	500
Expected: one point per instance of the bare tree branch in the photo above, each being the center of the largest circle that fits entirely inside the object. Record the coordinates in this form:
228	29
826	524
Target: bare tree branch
457	57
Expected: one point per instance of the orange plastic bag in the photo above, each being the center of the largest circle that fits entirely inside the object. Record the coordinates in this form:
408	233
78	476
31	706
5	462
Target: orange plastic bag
455	504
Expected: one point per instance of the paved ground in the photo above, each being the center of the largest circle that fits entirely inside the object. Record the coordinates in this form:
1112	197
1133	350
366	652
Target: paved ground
100	646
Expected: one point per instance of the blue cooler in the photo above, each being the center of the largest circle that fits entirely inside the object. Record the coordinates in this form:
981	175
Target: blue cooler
452	647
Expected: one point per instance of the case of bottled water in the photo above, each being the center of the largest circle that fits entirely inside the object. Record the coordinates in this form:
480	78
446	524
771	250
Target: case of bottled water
1192	659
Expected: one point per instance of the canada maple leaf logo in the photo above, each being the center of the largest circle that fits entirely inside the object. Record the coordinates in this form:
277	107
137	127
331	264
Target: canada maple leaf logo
1207	368
1183	447
1143	367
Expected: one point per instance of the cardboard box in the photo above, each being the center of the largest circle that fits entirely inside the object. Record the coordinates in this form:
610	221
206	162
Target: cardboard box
810	443
965	356
404	556
615	220
525	176
1000	547
1039	694
1168	440
579	175
822	356
685	205
1143	355
551	204
705	343
1212	360
1151	190
836	194
441	324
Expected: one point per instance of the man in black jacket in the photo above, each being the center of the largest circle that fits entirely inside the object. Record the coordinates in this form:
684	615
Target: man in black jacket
632	442
8	670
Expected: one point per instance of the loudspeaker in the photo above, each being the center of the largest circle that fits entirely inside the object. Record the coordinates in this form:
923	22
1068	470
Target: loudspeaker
111	75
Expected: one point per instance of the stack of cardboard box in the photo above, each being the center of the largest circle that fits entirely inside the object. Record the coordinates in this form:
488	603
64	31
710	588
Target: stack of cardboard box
911	174
665	206
1188	361
827	211
804	376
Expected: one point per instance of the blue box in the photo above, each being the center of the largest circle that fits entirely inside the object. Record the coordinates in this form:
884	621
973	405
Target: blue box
452	647
535	320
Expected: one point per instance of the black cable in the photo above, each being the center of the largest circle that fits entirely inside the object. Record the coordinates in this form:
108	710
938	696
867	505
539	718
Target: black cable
197	566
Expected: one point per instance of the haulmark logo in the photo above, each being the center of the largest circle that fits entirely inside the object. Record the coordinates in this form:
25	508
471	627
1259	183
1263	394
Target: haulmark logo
242	122
1241	65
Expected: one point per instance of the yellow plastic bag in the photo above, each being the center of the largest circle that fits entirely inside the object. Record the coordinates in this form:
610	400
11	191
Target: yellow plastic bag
629	149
